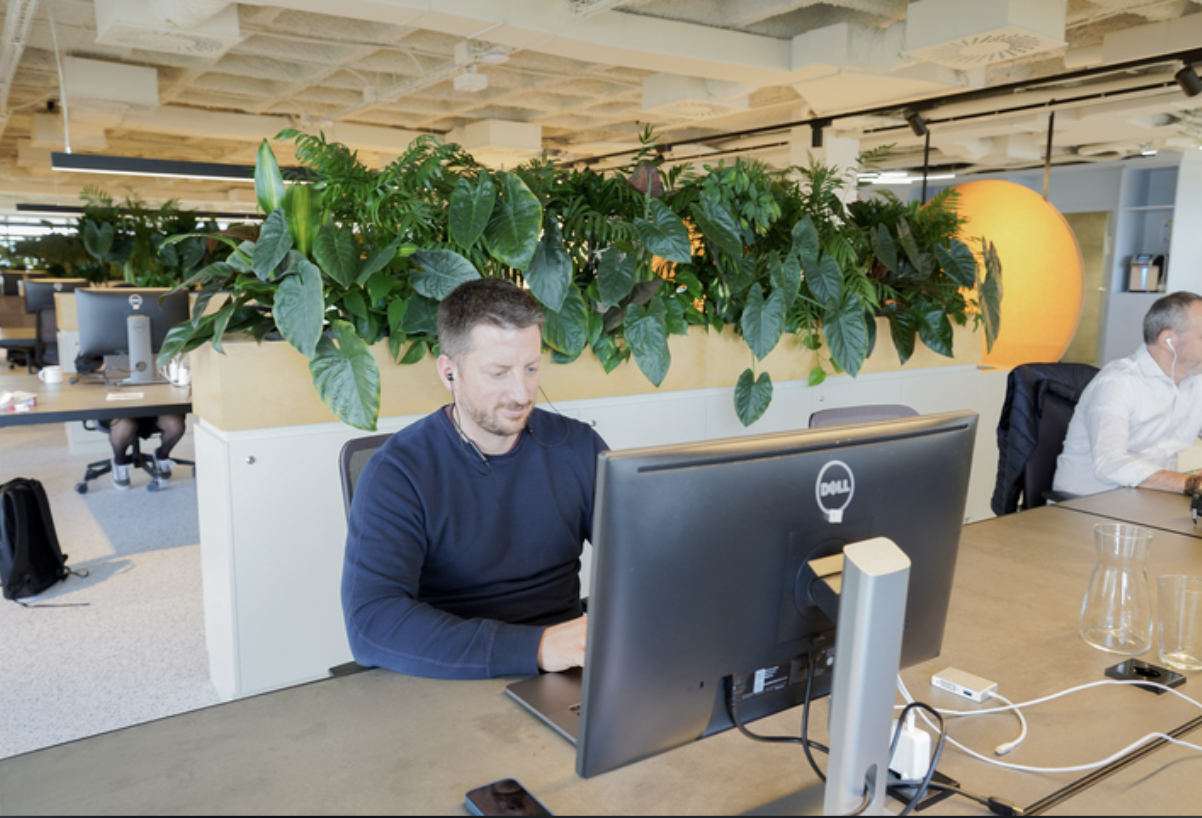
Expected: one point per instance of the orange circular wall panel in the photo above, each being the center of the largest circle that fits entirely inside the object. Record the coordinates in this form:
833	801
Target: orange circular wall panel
1042	274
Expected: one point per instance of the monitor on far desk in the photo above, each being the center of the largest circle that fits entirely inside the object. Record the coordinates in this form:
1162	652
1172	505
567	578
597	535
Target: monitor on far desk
39	292
700	589
126	327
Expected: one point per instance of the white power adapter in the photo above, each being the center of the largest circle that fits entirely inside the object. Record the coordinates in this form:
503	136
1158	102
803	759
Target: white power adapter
912	758
964	684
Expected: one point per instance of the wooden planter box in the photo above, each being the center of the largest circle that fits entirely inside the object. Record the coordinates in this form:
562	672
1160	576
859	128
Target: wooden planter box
266	385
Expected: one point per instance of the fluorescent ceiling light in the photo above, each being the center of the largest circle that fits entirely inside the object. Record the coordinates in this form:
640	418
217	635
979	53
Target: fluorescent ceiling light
899	178
130	166
78	210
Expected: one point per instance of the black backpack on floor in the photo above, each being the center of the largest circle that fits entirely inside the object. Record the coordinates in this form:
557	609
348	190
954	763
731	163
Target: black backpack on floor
30	559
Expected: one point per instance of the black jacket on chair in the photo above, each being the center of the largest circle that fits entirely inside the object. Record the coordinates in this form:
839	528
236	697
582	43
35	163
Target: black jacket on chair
1040	399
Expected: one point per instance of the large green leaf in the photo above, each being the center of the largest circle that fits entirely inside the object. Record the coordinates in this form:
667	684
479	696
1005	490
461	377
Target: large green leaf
299	306
269	183
647	337
421	316
377	261
512	231
273	245
664	234
786	277
221	320
718	225
98	239
346	376
846	334
991	293
337	253
958	262
439	272
396	312
883	247
566	330
826	282
615	275
922	261
550	273
675	321
933	327
805	243
752	396
903	327
470	208
763	321
303	208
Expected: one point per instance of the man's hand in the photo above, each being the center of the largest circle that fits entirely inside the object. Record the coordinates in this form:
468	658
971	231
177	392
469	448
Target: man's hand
562	646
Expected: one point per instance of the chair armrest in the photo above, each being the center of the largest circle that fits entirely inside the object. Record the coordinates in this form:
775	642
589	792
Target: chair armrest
1059	496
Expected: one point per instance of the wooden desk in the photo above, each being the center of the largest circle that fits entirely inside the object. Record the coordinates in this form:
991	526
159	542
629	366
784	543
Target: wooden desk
1160	510
62	402
378	742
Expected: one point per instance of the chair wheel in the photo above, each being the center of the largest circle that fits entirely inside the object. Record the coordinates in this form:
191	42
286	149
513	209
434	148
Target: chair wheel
153	485
82	488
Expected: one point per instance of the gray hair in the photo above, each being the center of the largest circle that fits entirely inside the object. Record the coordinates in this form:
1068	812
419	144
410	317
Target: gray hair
1170	312
492	301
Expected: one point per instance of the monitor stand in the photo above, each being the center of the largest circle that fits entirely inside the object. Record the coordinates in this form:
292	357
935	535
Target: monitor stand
870	623
138	367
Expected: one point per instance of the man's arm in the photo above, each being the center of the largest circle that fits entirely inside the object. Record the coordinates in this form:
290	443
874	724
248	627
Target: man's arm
1108	425
1165	480
386	624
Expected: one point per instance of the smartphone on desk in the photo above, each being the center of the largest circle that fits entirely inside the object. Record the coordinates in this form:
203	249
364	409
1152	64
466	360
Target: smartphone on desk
504	797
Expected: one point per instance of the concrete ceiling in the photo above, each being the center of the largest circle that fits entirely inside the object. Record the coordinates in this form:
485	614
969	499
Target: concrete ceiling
206	80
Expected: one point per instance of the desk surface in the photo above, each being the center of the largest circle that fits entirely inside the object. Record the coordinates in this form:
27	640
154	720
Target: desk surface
18	336
62	402
1160	510
378	742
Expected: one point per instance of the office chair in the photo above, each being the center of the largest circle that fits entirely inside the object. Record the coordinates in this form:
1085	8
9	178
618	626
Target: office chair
45	350
99	468
859	414
1040	401
351	460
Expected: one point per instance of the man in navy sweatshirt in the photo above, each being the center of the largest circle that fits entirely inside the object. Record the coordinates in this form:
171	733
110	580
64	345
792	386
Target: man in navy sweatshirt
465	532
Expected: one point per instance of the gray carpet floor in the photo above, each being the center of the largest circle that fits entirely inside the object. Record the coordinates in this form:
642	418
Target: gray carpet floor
136	651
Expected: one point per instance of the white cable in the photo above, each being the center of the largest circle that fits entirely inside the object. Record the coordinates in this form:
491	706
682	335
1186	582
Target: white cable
62	86
1078	768
1003	749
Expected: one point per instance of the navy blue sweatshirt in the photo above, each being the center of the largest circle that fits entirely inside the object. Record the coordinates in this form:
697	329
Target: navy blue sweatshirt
454	566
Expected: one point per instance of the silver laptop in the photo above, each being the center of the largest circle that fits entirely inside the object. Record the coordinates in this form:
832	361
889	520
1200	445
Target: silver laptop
554	698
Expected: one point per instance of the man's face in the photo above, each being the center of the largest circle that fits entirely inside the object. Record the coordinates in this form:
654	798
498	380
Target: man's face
1189	342
496	383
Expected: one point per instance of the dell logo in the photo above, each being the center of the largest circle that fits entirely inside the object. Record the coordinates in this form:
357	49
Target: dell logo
135	301
834	488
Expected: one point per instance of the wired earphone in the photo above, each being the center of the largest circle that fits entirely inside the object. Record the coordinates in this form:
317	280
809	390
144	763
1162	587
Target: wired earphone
465	440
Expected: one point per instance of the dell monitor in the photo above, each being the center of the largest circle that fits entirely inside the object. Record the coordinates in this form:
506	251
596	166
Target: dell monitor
39	292
700	587
126	327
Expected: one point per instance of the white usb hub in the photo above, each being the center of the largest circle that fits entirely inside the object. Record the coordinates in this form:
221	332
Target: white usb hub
964	684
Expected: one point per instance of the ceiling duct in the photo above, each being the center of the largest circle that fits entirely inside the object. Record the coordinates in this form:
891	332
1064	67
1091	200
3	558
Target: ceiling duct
677	97
96	87
139	24
971	35
495	142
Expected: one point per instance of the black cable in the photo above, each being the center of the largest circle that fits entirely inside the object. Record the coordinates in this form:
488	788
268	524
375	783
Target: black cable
867	799
998	806
732	710
805	720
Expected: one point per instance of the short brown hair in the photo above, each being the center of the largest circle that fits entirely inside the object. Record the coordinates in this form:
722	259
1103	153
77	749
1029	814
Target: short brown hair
1169	312
492	301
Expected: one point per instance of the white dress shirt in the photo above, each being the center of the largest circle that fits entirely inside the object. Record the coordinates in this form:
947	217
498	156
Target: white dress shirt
1131	422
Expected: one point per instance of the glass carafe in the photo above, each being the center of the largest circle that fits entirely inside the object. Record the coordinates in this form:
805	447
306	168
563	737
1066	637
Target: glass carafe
1117	613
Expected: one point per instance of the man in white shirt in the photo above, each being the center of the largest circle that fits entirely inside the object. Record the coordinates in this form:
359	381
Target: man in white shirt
1140	412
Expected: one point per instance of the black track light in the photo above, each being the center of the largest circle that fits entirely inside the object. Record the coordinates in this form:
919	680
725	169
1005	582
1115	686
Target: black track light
1187	78
917	124
816	136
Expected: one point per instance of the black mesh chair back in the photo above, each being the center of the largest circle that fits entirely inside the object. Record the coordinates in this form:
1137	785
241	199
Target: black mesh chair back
859	414
46	339
352	459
